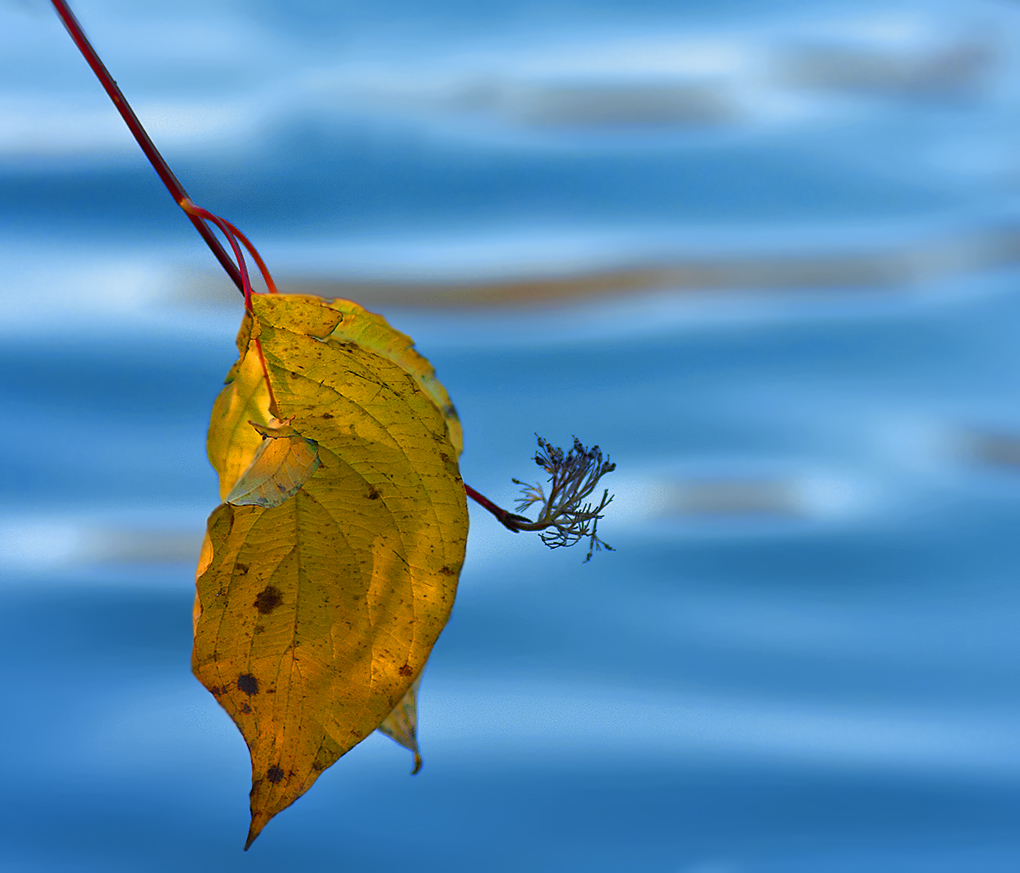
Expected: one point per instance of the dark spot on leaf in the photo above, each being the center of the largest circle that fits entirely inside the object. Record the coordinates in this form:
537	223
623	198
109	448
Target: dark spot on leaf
327	415
246	709
240	569
405	670
248	684
373	494
318	766
448	571
274	774
269	598
445	457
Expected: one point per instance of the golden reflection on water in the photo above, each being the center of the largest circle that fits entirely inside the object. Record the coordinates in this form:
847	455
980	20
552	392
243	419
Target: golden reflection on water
879	268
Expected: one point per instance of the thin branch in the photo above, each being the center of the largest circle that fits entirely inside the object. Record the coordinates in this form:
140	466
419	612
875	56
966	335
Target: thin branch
507	519
161	167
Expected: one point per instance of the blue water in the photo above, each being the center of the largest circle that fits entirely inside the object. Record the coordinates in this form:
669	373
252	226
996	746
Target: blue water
802	657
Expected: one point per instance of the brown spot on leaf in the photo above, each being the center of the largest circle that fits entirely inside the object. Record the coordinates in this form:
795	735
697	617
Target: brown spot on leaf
248	684
373	494
327	415
405	670
240	569
274	774
246	709
445	457
268	599
448	571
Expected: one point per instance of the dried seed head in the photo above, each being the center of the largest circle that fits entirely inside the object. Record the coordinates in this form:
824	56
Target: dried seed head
564	517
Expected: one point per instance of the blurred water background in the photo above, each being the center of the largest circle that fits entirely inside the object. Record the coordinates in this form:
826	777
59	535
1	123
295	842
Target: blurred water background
765	254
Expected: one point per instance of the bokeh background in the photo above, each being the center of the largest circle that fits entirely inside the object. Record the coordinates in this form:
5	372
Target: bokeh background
764	253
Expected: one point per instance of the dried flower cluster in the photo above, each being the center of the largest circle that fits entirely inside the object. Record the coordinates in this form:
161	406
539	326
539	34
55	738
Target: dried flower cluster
565	518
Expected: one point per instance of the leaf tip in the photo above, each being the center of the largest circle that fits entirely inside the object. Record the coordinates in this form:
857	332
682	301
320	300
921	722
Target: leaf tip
257	823
417	763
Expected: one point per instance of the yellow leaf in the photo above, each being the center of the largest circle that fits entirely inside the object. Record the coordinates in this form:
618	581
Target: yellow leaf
401	725
244	400
281	465
321	594
372	331
233	441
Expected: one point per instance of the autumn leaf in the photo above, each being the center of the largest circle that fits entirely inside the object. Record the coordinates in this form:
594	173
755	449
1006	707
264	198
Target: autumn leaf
234	435
282	463
401	725
331	567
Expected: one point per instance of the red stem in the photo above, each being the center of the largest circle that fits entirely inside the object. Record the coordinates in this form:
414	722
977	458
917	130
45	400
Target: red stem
266	275
507	519
164	172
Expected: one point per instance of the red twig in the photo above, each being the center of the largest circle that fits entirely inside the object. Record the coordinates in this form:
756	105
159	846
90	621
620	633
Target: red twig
232	235
507	519
164	172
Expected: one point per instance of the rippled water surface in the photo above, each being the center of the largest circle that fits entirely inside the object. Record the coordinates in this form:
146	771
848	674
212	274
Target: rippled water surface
765	254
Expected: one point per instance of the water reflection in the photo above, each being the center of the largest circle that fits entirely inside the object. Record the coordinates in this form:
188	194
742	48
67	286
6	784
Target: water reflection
886	268
770	265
